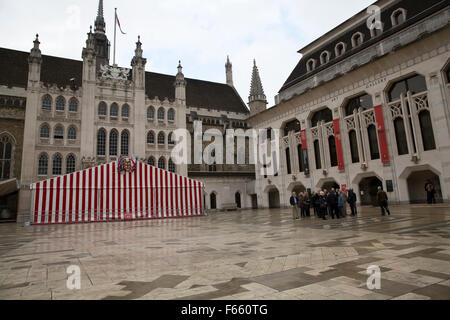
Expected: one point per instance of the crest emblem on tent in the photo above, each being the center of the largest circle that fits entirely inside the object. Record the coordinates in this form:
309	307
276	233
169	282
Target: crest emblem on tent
126	165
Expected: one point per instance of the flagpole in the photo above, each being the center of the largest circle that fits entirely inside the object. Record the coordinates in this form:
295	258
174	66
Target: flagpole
115	36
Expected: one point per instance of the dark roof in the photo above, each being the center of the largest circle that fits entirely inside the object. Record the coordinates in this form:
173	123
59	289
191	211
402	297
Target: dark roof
416	11
59	71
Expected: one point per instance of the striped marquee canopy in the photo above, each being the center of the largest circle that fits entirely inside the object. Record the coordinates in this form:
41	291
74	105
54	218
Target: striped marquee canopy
104	194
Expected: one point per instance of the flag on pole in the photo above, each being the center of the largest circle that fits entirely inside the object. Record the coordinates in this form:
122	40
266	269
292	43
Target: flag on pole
118	23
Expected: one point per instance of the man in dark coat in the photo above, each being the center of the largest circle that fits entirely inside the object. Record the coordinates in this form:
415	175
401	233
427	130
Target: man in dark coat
383	201
352	202
332	202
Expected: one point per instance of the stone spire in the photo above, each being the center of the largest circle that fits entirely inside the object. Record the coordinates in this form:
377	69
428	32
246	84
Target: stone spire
35	54
180	84
257	99
100	21
229	72
138	63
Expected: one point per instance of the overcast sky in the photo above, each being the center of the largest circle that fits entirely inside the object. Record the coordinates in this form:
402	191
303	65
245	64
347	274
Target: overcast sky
199	32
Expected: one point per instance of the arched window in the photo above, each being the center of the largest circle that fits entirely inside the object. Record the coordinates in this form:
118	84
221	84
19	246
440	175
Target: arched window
43	165
353	146
172	167
237	198
73	105
364	101
113	143
301	159
162	163
47	102
171	115
323	115
426	127
102	109
151	161
288	161
125	111
325	57
398	17
213	201
310	65
400	137
340	49
357	39
373	142
161	138
317	155
59	133
151	138
70	164
114	112
57	165
151	113
5	158
414	84
101	142
333	153
72	133
292	126
171	141
60	104
124	143
161	114
45	132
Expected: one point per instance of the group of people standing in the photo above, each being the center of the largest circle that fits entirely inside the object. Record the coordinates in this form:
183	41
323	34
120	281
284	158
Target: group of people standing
333	203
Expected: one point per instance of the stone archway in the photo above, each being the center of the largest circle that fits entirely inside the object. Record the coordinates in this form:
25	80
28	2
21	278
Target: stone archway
328	184
368	189
296	187
274	198
416	186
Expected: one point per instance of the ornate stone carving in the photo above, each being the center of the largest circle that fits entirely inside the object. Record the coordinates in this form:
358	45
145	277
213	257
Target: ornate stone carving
115	73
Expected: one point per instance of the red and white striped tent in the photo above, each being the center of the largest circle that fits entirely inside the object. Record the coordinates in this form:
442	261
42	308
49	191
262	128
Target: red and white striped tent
103	194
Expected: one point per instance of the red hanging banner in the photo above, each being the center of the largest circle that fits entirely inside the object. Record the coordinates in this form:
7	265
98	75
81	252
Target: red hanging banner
338	138
304	142
382	134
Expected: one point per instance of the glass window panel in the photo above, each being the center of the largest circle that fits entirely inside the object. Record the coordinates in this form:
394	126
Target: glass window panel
426	128
373	143
333	154
354	146
317	155
400	136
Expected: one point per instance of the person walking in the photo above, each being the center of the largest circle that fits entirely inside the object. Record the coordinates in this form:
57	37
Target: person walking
323	206
294	204
301	205
431	193
383	202
352	202
307	205
332	204
341	204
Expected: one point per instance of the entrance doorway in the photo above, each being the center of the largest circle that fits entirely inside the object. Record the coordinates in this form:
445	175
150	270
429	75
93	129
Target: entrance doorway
416	186
274	199
213	201
330	185
368	189
299	189
237	197
254	201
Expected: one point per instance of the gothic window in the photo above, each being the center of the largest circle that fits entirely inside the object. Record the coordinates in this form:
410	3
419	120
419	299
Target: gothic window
45	132
72	133
102	109
400	137
414	84
293	126
171	141
73	105
151	138
373	142
340	49
58	133
161	138
47	102
43	165
162	163
57	165
114	112
171	115
325	57
333	153
426	127
124	143
60	104
113	143
125	111
172	167
398	17
5	158
353	146
288	161
323	115
364	101
151	161
317	155
70	164
161	114
357	39
101	142
150	113
301	159
311	65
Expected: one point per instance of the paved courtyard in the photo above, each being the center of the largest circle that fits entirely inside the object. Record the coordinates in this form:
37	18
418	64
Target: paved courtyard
245	255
